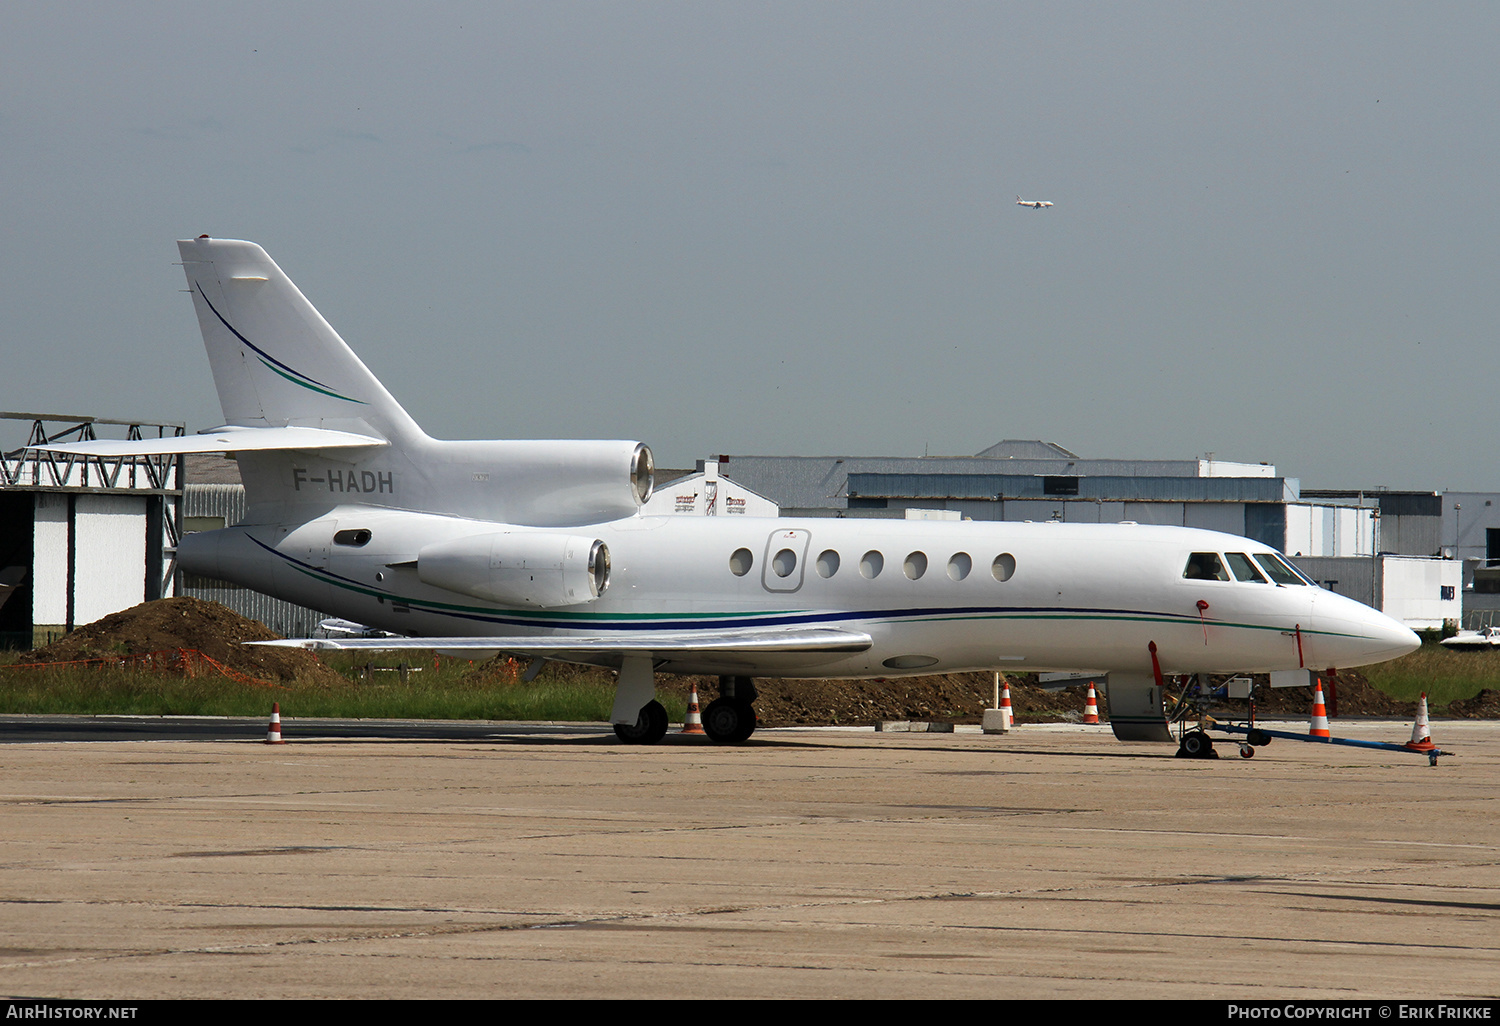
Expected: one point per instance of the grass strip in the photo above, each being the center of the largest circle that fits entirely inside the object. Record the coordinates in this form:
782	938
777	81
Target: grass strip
453	689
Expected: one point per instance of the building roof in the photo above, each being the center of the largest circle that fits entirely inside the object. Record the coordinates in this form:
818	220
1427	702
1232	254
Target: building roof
1022	449
822	482
1099	488
210	468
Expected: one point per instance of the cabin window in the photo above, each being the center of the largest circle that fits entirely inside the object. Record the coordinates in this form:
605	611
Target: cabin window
1003	567
784	562
959	565
828	563
741	562
1278	569
355	538
871	564
1243	569
1205	566
915	565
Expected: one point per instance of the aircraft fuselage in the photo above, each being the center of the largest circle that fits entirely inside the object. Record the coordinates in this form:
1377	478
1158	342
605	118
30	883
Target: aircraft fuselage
934	596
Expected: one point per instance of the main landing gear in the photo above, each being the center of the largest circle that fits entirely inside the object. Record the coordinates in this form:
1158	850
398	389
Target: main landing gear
650	728
730	718
633	694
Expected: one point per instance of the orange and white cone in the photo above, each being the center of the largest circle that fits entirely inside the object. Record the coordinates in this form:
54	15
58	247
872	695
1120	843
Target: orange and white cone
1421	733
1091	706
273	732
693	723
1007	715
1319	726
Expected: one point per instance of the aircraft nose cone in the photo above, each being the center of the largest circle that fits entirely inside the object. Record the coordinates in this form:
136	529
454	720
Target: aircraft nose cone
1395	638
1353	634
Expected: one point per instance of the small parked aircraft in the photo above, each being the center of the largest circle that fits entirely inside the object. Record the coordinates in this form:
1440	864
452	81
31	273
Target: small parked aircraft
539	549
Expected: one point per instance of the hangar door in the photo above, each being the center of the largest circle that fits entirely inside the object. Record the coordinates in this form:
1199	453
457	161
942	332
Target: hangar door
15	569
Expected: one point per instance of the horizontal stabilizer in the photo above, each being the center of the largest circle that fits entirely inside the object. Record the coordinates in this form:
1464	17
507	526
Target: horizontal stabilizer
220	439
658	643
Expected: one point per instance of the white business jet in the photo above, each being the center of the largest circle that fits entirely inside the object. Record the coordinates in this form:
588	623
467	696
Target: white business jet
539	549
1033	204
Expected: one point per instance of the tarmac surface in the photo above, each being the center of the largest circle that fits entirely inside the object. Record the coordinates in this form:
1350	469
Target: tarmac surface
1053	862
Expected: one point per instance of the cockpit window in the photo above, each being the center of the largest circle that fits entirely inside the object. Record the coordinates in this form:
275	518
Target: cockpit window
1205	566
1278	569
1243	569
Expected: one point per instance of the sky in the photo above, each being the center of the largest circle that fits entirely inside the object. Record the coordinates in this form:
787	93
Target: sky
788	228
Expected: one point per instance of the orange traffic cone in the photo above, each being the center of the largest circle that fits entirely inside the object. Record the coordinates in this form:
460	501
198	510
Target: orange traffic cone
693	724
1007	715
273	732
1091	706
1421	733
1319	726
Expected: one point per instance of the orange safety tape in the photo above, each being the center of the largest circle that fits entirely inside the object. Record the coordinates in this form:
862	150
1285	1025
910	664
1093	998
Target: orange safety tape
163	660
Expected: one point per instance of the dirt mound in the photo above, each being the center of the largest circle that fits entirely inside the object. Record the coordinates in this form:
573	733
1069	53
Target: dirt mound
188	623
1483	706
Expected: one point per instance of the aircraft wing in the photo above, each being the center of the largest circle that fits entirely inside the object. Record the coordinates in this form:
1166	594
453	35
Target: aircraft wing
221	439
658	643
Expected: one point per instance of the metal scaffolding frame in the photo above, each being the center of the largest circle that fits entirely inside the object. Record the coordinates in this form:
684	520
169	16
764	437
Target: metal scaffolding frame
34	469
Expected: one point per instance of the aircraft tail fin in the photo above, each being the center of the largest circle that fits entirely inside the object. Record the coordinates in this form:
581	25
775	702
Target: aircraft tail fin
276	362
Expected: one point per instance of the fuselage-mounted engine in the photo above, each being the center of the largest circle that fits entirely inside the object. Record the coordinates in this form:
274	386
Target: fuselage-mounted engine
523	568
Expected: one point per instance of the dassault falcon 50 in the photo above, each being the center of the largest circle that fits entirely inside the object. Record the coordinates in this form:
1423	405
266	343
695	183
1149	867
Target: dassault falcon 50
539	549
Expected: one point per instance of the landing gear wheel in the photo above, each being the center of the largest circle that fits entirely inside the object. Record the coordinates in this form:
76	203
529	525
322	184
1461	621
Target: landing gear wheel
729	720
748	722
1197	745
1246	752
649	728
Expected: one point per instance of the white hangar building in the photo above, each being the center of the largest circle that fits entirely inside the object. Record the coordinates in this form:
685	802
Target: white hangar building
81	538
707	493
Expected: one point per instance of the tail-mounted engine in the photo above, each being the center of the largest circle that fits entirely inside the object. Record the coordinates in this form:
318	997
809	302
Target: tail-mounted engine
526	568
555	483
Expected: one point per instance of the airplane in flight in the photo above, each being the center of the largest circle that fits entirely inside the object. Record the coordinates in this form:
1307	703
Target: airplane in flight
1033	204
539	549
